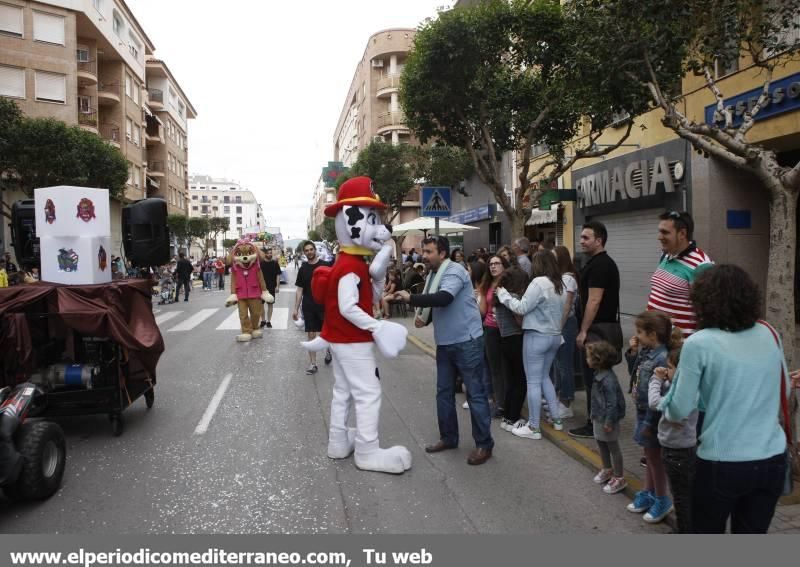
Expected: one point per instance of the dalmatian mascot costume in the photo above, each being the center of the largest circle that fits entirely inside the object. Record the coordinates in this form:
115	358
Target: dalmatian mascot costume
348	290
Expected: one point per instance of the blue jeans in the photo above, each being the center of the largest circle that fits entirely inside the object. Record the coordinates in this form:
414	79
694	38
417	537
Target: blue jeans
207	280
539	351
565	361
464	359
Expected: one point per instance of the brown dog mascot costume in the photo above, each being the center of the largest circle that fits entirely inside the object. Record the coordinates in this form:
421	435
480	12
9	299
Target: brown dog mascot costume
248	287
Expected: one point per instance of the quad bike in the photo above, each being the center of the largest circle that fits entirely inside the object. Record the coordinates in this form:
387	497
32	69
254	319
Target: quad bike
33	453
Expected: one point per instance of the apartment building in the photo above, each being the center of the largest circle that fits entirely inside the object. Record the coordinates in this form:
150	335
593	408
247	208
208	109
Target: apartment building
214	197
323	196
85	62
371	111
167	114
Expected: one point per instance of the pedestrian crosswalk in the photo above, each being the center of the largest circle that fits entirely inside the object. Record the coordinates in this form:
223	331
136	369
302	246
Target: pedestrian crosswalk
218	318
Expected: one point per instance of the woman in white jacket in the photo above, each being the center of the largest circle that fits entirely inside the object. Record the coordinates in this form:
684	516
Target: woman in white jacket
542	307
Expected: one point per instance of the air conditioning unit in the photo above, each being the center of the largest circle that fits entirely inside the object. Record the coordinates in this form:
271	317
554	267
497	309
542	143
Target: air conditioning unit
377	63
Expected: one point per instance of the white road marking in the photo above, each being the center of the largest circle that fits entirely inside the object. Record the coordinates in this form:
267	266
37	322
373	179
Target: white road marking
194	320
280	318
287	289
164	317
231	322
205	421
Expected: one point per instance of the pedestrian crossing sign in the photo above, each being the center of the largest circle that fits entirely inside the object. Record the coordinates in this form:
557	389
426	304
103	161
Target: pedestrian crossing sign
436	202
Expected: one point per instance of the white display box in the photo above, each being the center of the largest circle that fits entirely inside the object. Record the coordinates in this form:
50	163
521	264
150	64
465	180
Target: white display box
76	259
72	211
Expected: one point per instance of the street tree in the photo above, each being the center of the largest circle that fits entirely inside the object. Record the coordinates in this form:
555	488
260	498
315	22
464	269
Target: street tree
393	170
42	152
656	43
314	236
178	228
443	165
197	229
503	77
327	229
229	243
217	225
10	117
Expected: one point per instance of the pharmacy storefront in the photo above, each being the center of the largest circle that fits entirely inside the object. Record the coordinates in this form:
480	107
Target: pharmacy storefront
627	194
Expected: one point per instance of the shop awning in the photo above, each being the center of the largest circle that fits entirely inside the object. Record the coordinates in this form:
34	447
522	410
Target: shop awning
539	216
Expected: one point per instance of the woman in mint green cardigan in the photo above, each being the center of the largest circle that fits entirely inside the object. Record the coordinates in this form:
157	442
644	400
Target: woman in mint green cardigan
731	368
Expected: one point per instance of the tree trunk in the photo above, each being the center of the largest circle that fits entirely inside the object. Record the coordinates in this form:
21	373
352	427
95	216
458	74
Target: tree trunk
517	219
780	293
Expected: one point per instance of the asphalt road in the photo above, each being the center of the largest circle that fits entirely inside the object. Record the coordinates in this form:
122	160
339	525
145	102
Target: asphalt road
260	466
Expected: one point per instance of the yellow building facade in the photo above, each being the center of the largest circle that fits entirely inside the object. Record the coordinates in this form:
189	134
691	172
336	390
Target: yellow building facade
656	171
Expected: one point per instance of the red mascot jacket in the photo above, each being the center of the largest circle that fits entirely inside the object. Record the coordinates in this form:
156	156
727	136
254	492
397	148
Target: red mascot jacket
325	289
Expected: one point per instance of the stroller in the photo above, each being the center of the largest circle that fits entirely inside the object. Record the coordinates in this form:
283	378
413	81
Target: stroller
167	285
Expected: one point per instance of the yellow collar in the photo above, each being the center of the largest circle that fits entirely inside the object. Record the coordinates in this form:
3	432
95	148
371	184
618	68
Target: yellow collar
357	251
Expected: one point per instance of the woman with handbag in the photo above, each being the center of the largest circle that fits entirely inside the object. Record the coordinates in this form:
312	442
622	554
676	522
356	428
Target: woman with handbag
735	369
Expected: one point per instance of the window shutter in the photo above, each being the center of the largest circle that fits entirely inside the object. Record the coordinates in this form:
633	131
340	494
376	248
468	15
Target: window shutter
11	20
12	82
51	87
48	28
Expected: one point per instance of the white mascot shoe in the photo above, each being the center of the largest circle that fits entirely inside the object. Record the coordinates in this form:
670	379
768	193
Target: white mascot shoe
343	444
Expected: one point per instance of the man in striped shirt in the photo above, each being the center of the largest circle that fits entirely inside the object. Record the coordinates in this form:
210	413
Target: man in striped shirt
681	262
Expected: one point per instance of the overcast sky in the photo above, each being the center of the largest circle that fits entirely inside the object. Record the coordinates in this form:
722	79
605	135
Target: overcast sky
268	80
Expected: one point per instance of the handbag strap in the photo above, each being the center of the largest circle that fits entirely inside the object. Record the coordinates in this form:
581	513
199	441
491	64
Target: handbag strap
787	429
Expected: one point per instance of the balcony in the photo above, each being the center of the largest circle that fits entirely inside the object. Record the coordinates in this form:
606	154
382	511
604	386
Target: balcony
155	99
388	84
87	118
87	73
110	133
155	169
108	94
154	134
395	120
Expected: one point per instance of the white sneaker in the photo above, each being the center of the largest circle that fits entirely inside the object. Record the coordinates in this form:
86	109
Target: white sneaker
603	476
506	425
465	405
616	484
557	425
565	412
527	432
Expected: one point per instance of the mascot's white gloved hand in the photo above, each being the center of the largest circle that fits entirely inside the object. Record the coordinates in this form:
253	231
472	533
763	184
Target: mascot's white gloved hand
267	297
317	344
232	300
380	262
390	338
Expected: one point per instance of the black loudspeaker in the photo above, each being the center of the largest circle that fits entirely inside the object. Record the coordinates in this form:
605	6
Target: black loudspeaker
23	233
145	235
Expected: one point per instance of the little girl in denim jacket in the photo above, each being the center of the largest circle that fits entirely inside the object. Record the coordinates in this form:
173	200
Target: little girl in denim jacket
607	410
648	351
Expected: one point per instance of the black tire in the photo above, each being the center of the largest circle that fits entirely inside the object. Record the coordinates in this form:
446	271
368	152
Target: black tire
149	397
116	424
44	451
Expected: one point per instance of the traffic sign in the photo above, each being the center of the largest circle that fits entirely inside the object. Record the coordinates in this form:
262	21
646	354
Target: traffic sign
436	202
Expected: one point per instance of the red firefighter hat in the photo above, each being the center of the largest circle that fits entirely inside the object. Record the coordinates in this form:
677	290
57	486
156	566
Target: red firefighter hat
356	191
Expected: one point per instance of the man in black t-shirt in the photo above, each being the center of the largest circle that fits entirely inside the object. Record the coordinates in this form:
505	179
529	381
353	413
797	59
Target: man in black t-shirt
183	274
313	313
599	294
272	277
